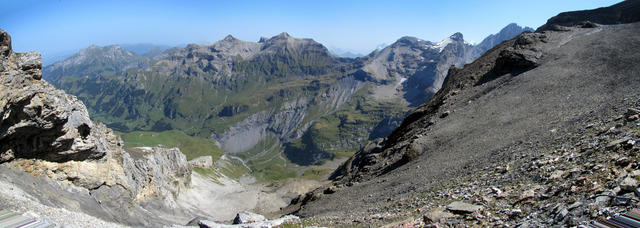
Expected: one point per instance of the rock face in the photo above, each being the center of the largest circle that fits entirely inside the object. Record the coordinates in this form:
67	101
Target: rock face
39	121
48	135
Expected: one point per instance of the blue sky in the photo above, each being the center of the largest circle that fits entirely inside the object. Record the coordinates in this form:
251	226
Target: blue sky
58	26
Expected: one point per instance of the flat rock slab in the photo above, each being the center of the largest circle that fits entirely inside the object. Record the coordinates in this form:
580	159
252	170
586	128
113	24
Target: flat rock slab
460	207
245	217
436	215
266	223
629	184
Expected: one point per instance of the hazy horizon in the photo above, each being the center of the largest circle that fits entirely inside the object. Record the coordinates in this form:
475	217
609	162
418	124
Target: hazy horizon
62	27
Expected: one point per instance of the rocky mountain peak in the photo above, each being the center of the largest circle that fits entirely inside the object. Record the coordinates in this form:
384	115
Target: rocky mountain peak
514	28
457	37
263	39
284	41
193	46
283	35
229	38
506	33
407	40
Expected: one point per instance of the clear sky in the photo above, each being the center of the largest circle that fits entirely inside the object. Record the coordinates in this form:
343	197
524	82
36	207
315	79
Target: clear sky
55	26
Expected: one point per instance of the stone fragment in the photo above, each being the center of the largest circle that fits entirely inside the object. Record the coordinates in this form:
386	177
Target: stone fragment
574	205
623	161
195	221
460	207
445	114
204	162
330	190
629	184
245	217
437	215
602	200
557	174
616	142
527	195
620	201
562	213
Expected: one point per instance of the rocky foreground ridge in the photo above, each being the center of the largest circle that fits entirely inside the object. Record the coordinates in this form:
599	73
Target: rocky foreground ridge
540	131
54	153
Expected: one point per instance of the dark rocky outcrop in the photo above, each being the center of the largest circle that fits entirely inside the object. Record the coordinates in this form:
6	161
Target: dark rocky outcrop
623	12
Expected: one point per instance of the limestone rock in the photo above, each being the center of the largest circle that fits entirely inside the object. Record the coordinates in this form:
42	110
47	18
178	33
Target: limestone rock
460	207
629	184
436	215
204	162
36	119
160	171
245	217
261	224
48	134
195	221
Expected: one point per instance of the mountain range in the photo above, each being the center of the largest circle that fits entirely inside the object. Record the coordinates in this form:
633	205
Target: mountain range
540	130
280	94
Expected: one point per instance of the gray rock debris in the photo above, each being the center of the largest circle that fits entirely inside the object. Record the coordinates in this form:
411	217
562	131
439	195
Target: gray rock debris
204	162
629	184
436	215
262	224
460	207
245	217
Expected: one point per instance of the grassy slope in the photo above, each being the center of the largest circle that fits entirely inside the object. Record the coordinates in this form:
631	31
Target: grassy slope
191	146
151	101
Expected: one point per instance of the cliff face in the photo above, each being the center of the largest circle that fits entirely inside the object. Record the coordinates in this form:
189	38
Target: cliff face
49	135
39	121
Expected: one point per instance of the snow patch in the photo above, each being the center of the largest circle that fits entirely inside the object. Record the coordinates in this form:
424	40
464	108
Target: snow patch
442	44
402	80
